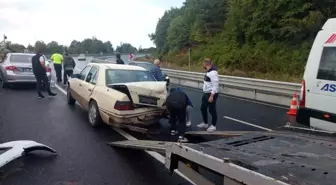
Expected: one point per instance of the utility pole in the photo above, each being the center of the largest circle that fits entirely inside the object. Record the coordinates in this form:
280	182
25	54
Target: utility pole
189	57
4	41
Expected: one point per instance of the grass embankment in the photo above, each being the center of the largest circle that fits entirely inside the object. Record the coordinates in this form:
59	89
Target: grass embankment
180	62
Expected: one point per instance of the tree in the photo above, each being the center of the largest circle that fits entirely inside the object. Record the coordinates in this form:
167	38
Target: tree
257	36
178	34
126	48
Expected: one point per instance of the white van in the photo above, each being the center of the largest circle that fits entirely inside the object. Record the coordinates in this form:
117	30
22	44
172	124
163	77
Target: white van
317	106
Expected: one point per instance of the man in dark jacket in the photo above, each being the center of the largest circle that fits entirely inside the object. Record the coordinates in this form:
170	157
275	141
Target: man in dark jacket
119	60
189	108
176	103
69	65
40	72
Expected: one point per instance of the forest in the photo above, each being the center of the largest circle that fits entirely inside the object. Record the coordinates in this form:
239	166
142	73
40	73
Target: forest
268	39
88	45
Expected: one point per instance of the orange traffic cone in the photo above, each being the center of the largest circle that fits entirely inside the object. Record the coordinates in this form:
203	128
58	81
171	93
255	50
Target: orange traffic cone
292	108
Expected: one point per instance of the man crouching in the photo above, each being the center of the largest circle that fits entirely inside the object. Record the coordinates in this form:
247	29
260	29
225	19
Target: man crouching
177	103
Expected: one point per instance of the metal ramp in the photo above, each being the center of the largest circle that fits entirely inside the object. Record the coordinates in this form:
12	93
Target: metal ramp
223	133
157	146
250	158
289	157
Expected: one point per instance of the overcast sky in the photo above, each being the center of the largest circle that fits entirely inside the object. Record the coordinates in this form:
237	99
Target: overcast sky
25	21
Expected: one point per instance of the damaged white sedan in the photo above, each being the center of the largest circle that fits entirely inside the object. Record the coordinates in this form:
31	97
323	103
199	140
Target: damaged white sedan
118	94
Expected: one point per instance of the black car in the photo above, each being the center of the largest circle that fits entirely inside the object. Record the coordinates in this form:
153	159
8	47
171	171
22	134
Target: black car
149	66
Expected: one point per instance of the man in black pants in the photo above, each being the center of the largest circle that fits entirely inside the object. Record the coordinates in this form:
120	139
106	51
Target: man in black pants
176	103
69	65
40	72
209	99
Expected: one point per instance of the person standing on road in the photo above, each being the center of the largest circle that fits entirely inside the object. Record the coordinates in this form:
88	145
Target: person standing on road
119	60
156	71
40	72
69	65
57	59
176	104
210	95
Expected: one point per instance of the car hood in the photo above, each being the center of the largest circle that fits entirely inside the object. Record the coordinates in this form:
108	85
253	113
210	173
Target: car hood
149	93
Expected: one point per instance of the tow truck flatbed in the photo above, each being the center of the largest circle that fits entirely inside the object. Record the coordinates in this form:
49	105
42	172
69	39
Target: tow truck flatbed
257	158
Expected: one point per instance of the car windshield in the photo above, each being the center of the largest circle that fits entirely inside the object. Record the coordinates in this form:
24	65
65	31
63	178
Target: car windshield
126	76
17	58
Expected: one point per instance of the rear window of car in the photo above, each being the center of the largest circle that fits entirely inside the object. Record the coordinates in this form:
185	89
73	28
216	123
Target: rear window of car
20	58
327	68
147	66
125	76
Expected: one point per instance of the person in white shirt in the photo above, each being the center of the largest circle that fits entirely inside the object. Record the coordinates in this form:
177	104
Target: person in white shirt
210	90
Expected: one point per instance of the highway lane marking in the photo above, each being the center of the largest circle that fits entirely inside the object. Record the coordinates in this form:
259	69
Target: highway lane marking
128	136
262	103
246	123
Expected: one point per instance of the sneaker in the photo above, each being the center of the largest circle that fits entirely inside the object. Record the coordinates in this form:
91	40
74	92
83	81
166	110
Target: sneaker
202	125
173	132
211	128
188	123
40	96
182	139
52	94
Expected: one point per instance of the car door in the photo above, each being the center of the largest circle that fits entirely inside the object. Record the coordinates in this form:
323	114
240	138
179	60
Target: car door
88	85
322	87
77	84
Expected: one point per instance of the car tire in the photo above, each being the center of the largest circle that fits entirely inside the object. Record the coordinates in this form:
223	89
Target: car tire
93	114
70	99
3	84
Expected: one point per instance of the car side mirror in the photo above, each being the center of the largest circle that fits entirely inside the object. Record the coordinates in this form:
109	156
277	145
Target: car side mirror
75	76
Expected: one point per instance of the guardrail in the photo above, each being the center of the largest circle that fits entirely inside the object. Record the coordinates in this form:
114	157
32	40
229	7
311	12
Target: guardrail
275	92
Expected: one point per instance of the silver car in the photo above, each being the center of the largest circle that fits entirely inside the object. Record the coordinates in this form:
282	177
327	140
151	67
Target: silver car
17	68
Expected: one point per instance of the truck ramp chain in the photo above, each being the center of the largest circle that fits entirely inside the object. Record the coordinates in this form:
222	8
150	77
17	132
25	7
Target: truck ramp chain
252	158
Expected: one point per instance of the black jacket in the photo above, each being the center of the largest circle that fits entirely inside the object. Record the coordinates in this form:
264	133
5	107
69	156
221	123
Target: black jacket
68	63
177	100
38	69
120	61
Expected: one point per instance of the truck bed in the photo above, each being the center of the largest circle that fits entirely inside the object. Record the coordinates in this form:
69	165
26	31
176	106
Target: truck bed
292	158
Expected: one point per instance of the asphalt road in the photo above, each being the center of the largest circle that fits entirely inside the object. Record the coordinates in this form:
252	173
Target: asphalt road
84	158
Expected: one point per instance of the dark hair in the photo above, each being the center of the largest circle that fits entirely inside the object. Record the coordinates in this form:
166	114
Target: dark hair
118	55
40	49
172	90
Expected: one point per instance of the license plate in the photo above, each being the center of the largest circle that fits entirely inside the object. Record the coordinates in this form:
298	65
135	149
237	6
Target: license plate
27	70
147	100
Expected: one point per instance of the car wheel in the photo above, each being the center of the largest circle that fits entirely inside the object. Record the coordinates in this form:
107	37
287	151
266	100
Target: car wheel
3	84
70	99
93	113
